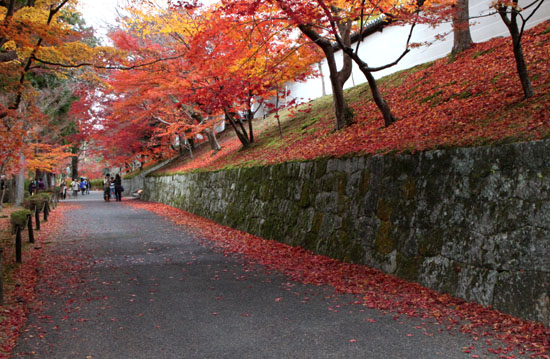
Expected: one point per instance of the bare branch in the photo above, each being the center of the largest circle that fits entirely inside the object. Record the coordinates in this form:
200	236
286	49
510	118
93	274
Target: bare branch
45	62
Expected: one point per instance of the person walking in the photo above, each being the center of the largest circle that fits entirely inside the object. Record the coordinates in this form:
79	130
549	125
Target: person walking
83	186
32	187
63	190
118	188
75	186
107	188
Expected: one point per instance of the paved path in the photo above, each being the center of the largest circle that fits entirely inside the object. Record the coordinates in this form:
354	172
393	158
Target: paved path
152	291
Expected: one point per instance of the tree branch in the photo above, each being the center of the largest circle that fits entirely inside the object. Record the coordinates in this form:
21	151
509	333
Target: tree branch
46	62
8	56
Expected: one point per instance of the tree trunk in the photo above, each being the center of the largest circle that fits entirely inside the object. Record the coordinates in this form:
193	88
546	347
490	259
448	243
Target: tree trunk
521	67
323	88
212	140
512	25
249	117
189	146
378	99
2	198
342	112
277	114
20	182
51	180
11	190
344	115
3	185
461	28
74	164
241	132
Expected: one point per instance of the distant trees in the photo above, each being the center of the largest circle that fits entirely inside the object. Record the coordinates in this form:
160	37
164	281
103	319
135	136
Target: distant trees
35	98
201	65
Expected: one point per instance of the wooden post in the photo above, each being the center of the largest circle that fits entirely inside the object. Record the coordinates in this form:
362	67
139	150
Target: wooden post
29	228
1	285
37	217
18	256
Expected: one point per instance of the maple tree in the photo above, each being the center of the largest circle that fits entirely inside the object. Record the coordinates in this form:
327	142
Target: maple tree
395	12
166	104
305	17
441	104
329	24
53	46
32	33
510	12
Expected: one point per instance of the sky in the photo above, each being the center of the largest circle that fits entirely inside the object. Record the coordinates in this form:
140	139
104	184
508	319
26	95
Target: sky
99	14
102	13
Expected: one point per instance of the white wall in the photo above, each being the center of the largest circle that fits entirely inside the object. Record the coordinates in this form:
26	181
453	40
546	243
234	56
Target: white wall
386	46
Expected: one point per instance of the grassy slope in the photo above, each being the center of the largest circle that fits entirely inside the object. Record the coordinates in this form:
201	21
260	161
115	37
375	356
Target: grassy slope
473	100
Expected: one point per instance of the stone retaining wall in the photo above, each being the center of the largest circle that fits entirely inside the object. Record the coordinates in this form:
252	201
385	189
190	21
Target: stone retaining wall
471	222
137	182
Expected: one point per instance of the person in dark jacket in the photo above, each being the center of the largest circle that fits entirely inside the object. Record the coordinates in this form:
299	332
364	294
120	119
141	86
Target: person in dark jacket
118	188
32	187
41	184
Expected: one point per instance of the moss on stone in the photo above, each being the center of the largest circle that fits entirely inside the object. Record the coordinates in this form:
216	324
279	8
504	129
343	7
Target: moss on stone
408	267
409	188
317	221
327	184
343	205
233	215
384	243
292	217
342	179
430	245
384	210
481	169
266	194
320	168
353	251
306	196
272	228
365	182
310	241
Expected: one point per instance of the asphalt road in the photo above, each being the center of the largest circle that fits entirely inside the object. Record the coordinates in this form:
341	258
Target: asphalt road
140	287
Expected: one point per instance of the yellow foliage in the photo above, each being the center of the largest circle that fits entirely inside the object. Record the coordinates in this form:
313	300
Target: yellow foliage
47	157
9	46
32	14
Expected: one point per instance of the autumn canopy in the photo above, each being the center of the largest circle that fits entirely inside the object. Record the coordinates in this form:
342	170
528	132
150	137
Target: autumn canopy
178	72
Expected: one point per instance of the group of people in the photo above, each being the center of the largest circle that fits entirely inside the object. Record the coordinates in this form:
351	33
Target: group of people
112	187
36	185
82	185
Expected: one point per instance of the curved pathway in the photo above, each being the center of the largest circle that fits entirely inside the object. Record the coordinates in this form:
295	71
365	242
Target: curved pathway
136	286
